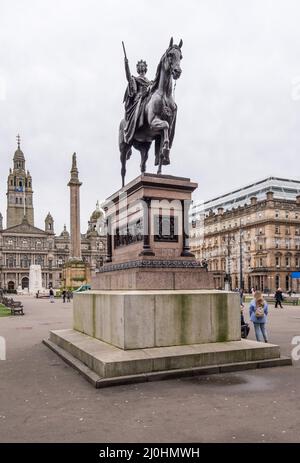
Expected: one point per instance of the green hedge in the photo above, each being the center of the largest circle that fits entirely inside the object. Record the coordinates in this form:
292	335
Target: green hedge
4	311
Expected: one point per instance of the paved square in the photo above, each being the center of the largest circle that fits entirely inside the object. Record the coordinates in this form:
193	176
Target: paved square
44	400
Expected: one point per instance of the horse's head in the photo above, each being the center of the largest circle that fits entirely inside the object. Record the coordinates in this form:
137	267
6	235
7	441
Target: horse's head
173	56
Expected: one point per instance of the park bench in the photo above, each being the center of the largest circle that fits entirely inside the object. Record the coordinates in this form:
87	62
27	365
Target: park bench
16	307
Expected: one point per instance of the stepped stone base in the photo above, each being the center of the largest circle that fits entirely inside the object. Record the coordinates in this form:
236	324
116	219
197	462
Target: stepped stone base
105	365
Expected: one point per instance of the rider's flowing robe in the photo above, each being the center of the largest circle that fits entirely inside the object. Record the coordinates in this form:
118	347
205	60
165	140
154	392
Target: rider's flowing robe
134	99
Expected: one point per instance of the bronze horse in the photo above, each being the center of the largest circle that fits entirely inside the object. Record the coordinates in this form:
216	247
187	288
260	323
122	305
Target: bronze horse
159	116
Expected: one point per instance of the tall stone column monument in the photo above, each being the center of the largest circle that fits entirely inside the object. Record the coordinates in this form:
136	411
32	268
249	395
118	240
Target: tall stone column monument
75	185
76	272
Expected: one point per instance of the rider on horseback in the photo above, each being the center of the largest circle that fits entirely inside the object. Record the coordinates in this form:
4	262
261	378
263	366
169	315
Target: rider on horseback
134	98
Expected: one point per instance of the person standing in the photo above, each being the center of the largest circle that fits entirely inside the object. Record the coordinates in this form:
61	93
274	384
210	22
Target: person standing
64	293
278	298
258	312
51	295
68	296
245	328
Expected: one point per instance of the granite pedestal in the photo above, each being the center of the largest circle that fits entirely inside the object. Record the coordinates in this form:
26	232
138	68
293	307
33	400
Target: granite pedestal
152	312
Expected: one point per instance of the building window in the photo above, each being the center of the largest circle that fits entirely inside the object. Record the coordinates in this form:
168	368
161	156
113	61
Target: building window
11	261
276	214
16	200
277	261
277	281
277	230
287	283
260	262
287	261
286	215
297	262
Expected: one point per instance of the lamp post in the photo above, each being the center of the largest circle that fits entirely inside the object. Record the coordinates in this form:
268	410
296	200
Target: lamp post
227	250
241	257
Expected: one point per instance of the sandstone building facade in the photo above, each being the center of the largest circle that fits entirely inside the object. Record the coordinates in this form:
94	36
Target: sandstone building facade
23	244
250	238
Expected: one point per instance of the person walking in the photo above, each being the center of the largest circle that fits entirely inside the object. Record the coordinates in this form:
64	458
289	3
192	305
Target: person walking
64	294
68	296
278	298
51	295
245	328
258	312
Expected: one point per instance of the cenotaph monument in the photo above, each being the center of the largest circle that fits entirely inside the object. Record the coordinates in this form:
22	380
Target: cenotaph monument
75	271
35	279
152	312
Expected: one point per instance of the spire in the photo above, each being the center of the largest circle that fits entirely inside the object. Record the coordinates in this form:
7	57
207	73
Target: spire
74	172
19	159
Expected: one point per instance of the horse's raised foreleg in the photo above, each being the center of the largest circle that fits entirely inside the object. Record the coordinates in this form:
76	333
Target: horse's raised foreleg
163	126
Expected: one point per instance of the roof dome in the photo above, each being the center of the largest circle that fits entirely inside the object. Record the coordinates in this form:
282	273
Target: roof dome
97	213
65	233
19	155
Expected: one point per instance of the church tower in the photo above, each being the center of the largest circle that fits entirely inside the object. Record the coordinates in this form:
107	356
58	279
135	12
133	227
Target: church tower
49	224
19	192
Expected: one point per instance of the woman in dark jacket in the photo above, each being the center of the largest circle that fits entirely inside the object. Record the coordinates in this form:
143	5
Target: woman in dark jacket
278	298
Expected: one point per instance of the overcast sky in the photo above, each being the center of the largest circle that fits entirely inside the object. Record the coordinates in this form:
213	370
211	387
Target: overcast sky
62	82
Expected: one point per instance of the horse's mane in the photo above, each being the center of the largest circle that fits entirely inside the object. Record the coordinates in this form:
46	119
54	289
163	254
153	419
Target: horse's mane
155	82
157	75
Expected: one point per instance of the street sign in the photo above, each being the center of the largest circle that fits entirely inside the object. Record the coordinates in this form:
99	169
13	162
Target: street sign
295	275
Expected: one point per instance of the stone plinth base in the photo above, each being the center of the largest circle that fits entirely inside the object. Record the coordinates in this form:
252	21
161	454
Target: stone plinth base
142	319
153	278
127	336
76	273
106	365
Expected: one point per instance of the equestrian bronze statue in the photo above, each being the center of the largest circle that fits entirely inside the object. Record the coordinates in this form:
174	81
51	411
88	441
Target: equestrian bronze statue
150	110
